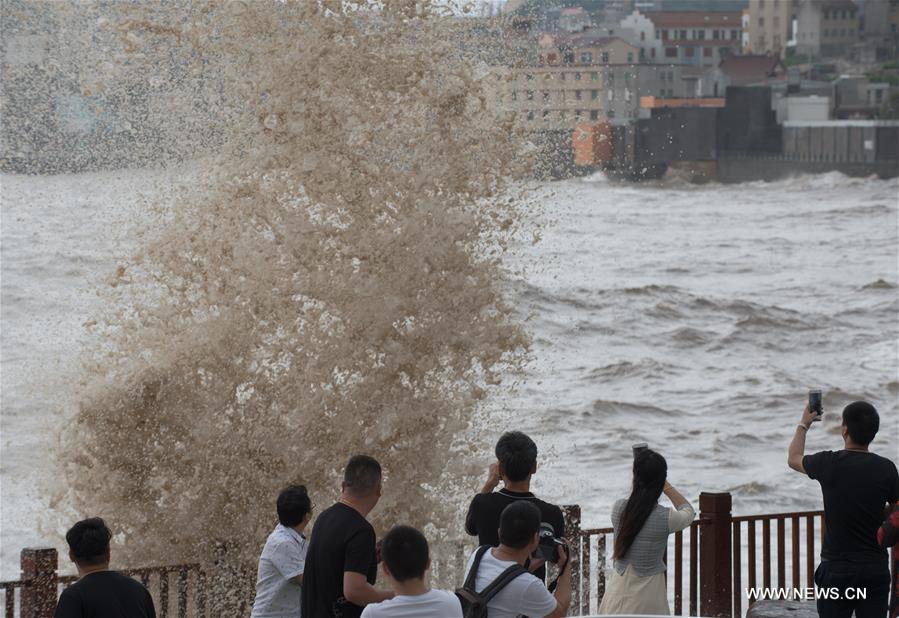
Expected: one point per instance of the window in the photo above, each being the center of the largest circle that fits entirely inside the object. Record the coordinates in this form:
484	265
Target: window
530	95
529	76
552	58
514	96
652	52
630	56
577	95
610	78
642	35
671	52
577	77
761	22
662	93
594	76
605	57
562	76
546	96
670	93
659	34
578	114
826	14
733	35
545	116
701	34
683	35
594	94
530	115
776	21
611	95
690	52
594	114
706	52
724	52
714	35
610	113
586	58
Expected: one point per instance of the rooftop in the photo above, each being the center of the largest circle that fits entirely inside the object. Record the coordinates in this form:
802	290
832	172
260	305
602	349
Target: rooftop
693	19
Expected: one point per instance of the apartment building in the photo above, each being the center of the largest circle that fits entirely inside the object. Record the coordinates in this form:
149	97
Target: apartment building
698	38
827	27
770	26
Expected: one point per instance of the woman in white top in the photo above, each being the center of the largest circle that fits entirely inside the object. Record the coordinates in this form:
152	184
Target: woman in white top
636	584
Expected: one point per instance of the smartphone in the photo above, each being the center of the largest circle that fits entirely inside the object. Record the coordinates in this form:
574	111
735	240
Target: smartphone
640	446
816	402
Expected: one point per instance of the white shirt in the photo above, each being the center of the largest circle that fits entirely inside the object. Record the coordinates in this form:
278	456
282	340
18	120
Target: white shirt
283	557
525	594
437	603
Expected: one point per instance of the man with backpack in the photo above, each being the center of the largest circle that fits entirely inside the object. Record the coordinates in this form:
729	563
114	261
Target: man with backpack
499	586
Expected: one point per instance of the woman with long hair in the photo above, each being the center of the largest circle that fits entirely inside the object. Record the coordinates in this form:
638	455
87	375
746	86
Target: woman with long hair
642	525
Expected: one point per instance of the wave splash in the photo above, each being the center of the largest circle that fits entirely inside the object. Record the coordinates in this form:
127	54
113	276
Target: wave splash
331	283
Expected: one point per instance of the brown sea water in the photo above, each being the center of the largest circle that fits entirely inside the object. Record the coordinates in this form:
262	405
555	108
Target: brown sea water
328	283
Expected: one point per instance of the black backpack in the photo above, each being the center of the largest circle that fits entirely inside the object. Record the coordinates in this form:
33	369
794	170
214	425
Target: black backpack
474	604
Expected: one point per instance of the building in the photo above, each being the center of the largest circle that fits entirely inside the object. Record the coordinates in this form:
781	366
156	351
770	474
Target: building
827	28
770	26
574	19
700	38
637	29
744	70
880	21
555	97
587	48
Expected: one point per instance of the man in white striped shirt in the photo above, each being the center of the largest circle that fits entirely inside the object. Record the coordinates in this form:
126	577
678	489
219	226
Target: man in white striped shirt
281	565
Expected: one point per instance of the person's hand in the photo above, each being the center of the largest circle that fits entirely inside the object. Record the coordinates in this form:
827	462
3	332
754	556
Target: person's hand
534	564
493	474
563	556
809	417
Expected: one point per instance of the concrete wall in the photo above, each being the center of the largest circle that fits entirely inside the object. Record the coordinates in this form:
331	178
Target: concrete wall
746	169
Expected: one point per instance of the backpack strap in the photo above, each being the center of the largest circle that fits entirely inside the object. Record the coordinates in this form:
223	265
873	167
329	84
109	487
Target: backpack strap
504	578
473	572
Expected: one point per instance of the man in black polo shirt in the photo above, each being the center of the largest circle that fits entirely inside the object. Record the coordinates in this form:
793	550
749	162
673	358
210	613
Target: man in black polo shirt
857	485
341	563
99	592
516	456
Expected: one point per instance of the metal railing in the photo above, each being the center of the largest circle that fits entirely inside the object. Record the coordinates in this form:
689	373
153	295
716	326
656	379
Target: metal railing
710	562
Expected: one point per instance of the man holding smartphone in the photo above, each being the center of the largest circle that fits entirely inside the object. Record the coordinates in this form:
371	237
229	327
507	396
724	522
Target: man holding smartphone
857	484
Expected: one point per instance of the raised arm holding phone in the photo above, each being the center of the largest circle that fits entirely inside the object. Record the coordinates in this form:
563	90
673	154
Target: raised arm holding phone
856	485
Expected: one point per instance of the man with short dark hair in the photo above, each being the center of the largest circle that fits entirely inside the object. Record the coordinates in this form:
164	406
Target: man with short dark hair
516	463
99	592
341	564
857	485
525	595
404	560
281	564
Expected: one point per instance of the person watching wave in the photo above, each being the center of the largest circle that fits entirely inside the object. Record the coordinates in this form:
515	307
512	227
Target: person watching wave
516	463
642	525
342	564
281	564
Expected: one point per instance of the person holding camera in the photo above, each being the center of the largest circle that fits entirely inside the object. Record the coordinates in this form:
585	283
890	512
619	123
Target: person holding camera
857	485
642	525
515	591
516	463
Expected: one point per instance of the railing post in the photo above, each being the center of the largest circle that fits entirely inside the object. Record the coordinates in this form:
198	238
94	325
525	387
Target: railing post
715	577
39	571
572	532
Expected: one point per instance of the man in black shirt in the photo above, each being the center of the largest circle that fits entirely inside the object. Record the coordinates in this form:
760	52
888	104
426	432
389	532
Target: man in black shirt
857	485
99	592
341	563
516	456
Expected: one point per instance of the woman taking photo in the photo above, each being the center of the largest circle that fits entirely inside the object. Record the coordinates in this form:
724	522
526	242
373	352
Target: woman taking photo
642	525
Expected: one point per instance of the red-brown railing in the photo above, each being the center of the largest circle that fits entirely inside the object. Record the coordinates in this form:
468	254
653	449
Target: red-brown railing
711	557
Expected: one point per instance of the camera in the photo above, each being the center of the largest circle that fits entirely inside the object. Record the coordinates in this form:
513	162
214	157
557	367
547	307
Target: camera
816	402
640	446
548	549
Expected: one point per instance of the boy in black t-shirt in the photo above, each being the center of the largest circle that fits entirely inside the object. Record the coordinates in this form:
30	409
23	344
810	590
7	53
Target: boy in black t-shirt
341	563
856	485
516	456
99	592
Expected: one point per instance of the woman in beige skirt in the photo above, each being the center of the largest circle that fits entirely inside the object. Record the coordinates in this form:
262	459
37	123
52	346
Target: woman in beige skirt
636	584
